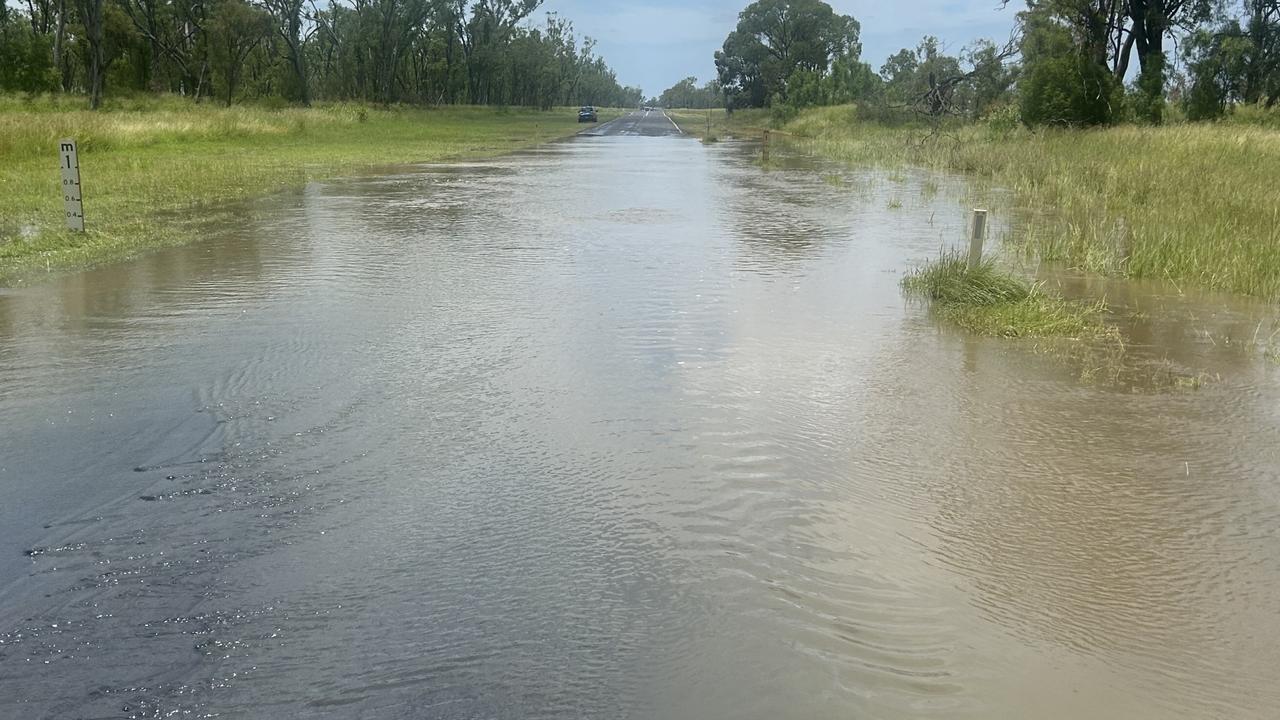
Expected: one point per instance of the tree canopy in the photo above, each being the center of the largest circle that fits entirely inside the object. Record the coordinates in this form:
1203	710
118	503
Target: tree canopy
780	45
423	51
688	94
1068	62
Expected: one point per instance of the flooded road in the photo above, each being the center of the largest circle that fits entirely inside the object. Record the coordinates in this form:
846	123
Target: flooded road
622	427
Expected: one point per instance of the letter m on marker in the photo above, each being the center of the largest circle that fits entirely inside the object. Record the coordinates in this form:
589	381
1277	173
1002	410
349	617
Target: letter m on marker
68	147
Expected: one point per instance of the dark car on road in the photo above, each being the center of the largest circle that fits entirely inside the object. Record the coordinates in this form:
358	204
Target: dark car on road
587	114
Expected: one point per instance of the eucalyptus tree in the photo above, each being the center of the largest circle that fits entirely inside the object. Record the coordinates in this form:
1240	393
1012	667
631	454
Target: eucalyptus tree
1108	33
26	58
484	30
291	27
235	30
688	94
1236	61
776	40
92	17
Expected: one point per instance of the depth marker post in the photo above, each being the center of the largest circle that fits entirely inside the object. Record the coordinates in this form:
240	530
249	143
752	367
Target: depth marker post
977	234
72	202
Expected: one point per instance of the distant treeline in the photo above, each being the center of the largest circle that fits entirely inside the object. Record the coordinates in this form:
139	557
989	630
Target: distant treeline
483	52
1068	62
688	94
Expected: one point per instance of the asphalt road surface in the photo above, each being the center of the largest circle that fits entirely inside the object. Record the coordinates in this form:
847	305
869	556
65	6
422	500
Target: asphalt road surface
650	123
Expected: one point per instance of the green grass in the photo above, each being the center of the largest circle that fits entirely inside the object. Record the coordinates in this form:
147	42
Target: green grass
989	301
141	159
1192	203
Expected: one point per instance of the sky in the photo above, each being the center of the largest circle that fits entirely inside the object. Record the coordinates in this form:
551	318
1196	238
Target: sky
657	43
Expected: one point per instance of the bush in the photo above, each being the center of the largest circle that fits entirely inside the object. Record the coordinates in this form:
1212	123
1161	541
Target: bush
1002	119
1061	84
1068	90
1258	115
1206	100
782	113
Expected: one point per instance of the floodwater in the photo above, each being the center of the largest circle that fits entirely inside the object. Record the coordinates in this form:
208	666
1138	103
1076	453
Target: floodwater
622	427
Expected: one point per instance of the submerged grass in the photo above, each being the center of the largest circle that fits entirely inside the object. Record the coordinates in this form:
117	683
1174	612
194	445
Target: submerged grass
989	301
148	158
1191	203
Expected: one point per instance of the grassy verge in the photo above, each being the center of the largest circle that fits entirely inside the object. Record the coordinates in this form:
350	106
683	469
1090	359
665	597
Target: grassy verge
143	159
712	125
1191	203
988	301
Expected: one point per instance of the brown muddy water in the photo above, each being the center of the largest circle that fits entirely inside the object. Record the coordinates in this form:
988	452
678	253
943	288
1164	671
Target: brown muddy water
623	427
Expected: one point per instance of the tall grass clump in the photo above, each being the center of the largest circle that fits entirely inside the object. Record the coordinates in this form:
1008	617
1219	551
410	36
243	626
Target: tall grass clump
990	301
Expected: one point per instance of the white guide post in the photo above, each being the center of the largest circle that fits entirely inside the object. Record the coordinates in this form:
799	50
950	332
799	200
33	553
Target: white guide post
977	234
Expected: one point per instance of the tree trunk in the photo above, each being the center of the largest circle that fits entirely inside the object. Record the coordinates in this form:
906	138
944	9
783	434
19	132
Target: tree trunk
300	70
1149	24
204	68
91	15
294	41
1122	60
1253	84
153	60
59	42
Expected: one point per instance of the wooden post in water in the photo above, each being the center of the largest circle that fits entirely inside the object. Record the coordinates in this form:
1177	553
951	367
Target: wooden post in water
764	154
72	201
977	235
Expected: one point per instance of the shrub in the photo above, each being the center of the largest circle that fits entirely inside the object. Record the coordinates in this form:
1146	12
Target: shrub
1068	90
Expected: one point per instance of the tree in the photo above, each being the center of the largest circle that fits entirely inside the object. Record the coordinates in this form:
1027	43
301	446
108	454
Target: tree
1149	21
1106	33
481	51
289	26
687	94
1062	81
991	78
1236	62
235	30
26	56
928	82
146	17
851	80
104	34
1262	58
917	79
777	41
92	18
484	29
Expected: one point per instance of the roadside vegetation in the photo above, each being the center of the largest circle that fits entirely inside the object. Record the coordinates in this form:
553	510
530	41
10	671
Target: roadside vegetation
1190	203
306	90
437	52
1113	162
141	158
